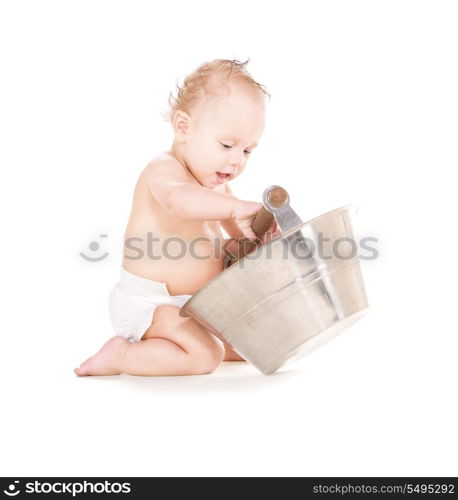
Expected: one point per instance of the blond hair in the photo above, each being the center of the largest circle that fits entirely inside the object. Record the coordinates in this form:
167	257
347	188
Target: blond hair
205	78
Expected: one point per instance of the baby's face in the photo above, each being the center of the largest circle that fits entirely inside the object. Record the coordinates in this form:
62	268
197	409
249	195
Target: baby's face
221	136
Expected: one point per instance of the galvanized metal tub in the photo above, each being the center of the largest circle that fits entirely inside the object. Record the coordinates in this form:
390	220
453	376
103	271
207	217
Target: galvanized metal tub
286	298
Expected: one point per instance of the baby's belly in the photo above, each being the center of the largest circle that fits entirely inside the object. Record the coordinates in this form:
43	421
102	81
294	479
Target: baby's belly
185	265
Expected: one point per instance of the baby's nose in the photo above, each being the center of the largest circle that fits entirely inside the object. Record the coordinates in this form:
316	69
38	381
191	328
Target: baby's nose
236	160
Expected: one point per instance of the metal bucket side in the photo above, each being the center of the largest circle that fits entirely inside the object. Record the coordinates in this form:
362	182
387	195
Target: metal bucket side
260	275
271	333
232	275
315	342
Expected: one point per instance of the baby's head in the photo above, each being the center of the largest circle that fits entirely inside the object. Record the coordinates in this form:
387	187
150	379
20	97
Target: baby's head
218	118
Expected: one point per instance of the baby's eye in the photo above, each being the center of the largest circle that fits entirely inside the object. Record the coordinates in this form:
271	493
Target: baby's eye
225	145
247	152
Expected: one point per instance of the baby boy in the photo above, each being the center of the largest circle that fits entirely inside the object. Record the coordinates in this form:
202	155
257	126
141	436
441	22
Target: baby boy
183	199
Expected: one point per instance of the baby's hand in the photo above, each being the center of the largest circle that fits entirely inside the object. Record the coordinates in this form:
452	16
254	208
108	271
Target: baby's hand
243	215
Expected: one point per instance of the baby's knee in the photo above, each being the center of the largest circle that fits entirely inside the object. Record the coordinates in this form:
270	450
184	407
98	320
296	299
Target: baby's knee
207	358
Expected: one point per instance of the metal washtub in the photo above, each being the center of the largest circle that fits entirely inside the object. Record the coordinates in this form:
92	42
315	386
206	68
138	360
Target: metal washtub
286	297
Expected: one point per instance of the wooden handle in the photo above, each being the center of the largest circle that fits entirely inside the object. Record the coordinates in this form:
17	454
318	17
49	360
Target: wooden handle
261	224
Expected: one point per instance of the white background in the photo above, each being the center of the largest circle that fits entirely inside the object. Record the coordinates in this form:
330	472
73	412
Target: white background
364	110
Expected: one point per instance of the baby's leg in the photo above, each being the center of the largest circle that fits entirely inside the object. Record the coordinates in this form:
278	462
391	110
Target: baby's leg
230	354
171	346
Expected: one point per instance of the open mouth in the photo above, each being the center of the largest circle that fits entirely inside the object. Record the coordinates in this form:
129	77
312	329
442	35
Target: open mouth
221	177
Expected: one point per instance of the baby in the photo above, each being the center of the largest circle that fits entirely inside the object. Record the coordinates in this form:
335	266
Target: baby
181	201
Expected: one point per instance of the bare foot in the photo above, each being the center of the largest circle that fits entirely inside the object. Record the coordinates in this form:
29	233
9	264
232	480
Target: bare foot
106	361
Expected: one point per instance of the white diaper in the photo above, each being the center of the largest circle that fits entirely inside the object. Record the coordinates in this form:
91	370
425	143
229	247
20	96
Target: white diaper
133	301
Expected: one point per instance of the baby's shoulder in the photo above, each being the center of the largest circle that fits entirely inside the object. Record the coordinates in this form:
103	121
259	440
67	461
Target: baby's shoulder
165	166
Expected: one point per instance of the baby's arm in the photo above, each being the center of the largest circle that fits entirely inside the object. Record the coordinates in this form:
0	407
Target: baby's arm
229	225
173	189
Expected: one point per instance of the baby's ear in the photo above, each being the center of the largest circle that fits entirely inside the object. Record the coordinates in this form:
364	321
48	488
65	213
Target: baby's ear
181	122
